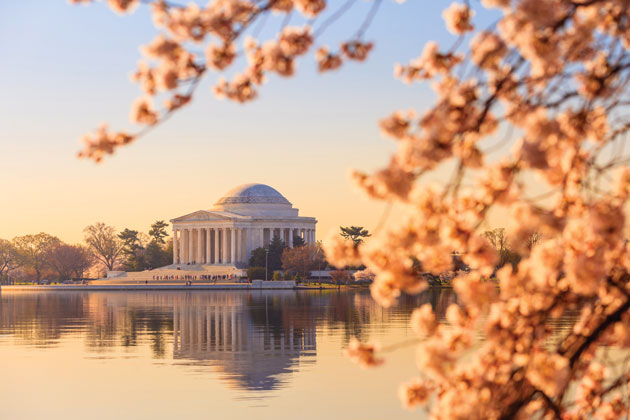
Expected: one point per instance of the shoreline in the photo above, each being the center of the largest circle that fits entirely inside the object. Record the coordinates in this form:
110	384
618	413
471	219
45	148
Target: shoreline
179	287
152	287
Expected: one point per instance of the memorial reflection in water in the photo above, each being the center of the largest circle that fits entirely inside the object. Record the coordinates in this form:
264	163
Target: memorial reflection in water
232	331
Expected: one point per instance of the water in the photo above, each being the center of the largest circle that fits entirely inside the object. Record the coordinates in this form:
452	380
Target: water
201	355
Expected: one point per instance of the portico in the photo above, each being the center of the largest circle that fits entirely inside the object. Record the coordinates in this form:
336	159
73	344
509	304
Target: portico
246	218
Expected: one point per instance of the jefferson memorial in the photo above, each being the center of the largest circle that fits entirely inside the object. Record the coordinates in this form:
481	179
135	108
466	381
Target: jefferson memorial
245	218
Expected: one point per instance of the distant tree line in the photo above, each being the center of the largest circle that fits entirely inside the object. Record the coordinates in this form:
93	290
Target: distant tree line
282	262
33	258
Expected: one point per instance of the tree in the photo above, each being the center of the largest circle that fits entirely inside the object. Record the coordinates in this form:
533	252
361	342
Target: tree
103	244
256	273
354	233
298	241
500	243
532	240
158	256
257	258
34	250
272	260
340	277
276	248
130	241
302	260
364	275
158	231
69	260
132	250
10	258
554	72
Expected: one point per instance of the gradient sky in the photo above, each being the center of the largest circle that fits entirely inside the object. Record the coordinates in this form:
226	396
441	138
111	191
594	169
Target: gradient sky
65	70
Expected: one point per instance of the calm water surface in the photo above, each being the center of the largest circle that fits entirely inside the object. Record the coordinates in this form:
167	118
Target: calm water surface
201	355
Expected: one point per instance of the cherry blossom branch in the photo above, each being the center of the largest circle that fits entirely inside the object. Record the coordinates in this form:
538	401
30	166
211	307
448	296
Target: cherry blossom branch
334	17
368	19
552	405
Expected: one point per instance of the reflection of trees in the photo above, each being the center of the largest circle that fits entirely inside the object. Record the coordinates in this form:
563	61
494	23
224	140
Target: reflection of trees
43	318
40	319
119	319
252	339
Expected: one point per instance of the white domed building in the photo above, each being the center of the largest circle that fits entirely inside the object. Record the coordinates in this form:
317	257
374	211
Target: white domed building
245	218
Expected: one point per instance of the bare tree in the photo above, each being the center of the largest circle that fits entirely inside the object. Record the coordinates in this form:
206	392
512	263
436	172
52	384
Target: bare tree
103	244
501	244
10	258
34	250
68	260
302	259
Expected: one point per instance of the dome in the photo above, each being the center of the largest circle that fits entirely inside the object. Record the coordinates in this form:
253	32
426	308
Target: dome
253	194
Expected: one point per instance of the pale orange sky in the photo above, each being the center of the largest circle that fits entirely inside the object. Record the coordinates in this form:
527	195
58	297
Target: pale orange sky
68	72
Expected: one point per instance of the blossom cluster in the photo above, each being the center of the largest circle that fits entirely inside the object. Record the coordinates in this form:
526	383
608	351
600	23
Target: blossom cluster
555	73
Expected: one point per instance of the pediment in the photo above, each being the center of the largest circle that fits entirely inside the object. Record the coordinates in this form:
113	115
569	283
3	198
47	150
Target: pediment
205	215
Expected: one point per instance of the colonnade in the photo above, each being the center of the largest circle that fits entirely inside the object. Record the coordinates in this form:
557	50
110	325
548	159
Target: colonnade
218	326
229	245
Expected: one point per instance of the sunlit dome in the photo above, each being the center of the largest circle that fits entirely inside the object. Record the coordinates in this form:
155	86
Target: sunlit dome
253	194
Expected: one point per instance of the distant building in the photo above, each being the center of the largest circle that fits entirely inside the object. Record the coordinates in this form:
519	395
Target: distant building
245	218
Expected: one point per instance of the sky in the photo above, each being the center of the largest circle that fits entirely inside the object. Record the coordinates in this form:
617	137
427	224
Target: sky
65	70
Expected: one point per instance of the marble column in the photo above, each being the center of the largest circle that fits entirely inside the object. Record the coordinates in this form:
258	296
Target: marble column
183	259
216	246
290	237
175	247
262	237
191	246
199	257
233	246
225	249
237	243
243	247
208	247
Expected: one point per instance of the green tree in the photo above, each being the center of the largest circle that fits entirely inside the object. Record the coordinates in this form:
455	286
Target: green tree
256	273
130	241
158	231
276	248
157	255
132	250
273	261
35	250
354	233
257	258
103	244
298	241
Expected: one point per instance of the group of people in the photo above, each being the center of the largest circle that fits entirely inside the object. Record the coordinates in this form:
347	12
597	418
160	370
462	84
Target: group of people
190	278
